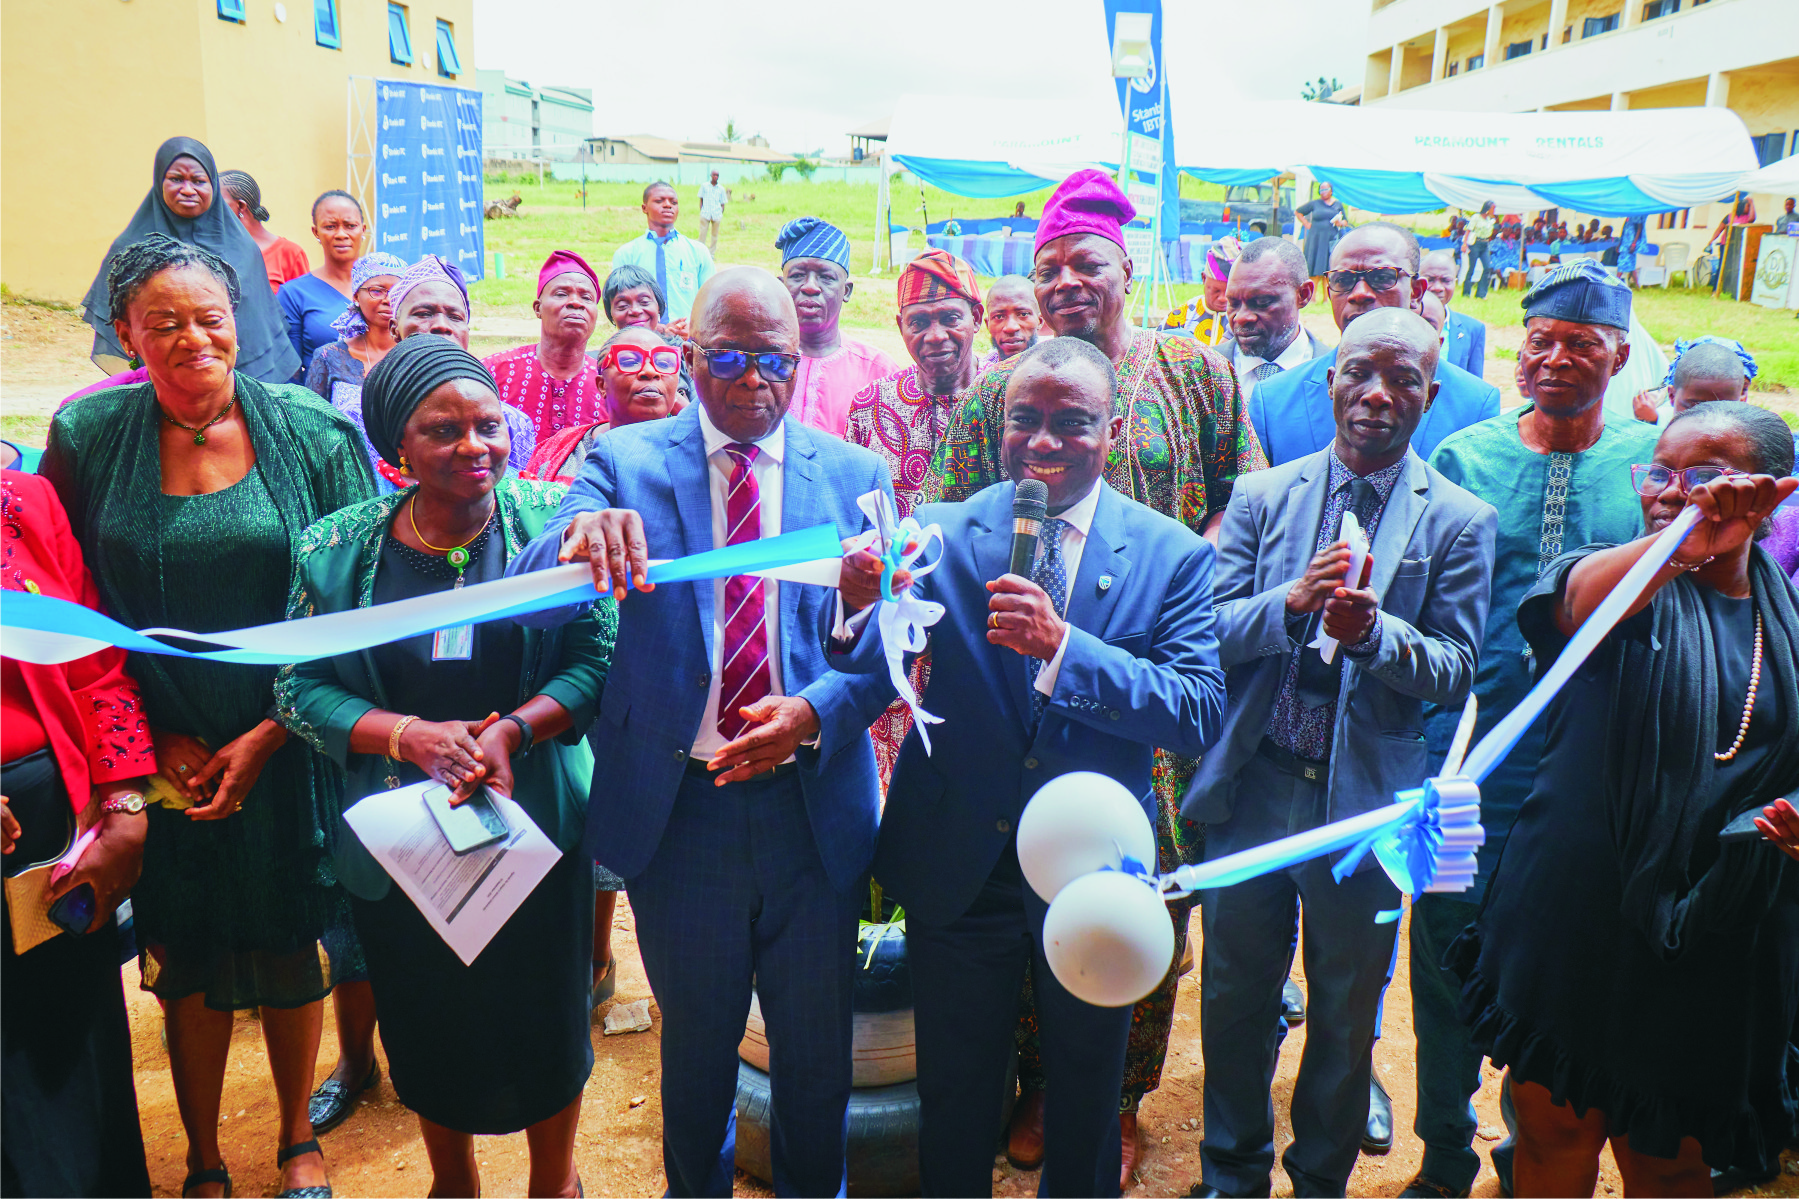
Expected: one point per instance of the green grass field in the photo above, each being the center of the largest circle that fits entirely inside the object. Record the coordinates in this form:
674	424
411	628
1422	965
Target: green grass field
553	217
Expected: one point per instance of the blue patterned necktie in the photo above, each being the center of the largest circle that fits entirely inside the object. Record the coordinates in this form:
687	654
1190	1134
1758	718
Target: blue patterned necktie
1051	574
662	262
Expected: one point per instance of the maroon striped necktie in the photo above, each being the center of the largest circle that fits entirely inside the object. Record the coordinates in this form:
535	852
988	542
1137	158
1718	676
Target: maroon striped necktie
744	677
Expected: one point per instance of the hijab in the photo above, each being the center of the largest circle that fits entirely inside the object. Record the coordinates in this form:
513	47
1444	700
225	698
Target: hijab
369	266
399	383
263	349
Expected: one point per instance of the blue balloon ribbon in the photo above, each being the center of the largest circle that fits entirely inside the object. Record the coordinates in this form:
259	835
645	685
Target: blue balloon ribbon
25	617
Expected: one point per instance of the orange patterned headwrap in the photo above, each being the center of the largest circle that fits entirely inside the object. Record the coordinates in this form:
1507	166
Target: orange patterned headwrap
936	274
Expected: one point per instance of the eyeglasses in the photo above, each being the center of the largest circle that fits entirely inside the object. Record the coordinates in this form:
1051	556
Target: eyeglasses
730	364
664	360
1653	479
1381	278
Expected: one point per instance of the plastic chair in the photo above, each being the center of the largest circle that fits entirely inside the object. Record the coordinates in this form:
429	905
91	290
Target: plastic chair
1673	260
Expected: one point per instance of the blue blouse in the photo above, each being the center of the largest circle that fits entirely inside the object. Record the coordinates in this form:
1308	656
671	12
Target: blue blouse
309	305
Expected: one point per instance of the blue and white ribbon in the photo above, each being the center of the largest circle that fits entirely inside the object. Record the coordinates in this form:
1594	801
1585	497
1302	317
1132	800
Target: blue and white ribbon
903	618
47	631
1426	841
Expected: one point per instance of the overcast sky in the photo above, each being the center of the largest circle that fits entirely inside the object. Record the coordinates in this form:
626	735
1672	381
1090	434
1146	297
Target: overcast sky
803	72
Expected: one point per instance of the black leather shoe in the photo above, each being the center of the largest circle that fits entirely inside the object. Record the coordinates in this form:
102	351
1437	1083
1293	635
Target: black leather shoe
1377	1138
1293	1004
1204	1190
1729	1182
1424	1188
333	1101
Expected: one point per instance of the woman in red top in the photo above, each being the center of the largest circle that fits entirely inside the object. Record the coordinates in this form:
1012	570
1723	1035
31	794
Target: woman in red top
74	751
284	259
640	379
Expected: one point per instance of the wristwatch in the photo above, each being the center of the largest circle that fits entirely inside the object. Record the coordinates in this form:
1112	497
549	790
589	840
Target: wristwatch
130	803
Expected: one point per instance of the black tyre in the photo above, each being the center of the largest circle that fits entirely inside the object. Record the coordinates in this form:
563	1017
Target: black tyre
883	1134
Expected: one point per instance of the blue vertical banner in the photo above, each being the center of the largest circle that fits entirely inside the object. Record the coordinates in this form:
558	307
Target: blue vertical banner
1143	104
428	173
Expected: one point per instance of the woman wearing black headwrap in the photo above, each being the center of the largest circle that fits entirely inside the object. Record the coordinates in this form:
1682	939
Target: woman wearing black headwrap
1638	977
492	704
184	203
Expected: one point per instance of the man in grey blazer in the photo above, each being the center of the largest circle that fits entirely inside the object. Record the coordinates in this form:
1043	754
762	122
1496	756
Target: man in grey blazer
1306	743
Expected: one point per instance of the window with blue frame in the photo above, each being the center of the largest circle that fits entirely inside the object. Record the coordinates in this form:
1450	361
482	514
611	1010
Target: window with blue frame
448	64
1519	49
1476	61
231	10
1660	8
399	36
324	24
1597	25
1769	147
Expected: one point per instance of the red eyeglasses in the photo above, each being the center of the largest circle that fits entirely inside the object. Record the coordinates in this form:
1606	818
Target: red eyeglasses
664	360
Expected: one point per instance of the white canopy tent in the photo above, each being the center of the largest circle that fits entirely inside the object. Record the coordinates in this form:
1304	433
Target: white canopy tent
1780	178
1406	160
1039	141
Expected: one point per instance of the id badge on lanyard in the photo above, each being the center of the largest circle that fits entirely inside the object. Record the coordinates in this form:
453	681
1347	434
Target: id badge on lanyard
453	645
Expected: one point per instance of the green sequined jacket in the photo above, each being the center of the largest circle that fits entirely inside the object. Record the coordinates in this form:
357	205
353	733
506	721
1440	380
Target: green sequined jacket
321	701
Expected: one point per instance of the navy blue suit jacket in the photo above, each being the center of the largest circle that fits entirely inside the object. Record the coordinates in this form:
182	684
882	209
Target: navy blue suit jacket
1292	411
661	669
1141	670
1465	342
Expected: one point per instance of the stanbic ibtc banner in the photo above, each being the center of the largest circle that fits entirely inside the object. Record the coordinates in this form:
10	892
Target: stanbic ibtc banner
428	173
1144	103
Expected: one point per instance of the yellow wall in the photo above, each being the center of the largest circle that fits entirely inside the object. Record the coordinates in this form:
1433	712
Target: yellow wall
90	88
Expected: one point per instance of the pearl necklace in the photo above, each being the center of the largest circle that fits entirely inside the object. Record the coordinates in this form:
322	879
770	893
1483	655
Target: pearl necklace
1755	678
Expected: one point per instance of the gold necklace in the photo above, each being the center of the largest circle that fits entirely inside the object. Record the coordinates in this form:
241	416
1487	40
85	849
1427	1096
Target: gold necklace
1755	678
455	555
199	431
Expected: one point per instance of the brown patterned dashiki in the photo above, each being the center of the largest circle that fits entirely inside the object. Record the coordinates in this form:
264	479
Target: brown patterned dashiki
897	419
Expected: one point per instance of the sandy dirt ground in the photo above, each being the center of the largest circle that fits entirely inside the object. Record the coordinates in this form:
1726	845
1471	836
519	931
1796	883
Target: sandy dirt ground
377	1152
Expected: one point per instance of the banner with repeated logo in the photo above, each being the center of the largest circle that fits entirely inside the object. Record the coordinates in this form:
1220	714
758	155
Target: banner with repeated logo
1144	106
428	173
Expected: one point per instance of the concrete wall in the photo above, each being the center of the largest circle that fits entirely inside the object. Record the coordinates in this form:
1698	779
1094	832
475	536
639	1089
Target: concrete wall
90	88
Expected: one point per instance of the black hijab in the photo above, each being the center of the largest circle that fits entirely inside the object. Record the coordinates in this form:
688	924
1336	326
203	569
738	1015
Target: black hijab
406	374
263	349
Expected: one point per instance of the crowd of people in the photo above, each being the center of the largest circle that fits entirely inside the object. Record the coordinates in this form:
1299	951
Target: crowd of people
733	753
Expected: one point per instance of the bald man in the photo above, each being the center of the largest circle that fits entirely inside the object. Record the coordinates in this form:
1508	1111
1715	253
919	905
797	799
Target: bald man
1012	319
737	797
1306	742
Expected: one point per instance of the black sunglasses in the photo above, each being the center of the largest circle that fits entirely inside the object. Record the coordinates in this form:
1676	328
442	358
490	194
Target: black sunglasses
1382	278
730	364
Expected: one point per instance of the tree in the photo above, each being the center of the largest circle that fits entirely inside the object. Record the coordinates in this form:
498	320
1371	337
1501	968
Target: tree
730	133
1322	90
805	167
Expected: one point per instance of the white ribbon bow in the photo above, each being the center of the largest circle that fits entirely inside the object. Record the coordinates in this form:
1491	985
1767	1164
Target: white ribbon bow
902	621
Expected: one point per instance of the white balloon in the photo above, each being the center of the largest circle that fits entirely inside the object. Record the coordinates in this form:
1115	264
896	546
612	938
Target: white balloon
1078	823
1108	938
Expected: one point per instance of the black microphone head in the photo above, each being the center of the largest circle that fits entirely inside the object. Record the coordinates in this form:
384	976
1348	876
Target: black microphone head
1031	502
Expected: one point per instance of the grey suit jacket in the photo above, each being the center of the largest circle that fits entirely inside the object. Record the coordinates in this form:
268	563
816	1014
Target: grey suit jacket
1228	347
1433	569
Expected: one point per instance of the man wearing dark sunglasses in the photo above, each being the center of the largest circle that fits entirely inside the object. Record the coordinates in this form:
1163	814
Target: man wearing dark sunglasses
738	796
1374	266
1559	475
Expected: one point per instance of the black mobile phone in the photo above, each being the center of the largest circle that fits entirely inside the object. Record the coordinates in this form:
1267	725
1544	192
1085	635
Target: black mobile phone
74	912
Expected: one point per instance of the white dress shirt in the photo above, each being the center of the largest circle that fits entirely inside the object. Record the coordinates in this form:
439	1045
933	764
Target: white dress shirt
1074	540
767	469
1298	351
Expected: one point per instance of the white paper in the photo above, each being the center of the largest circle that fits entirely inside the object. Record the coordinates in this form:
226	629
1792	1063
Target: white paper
467	899
1350	531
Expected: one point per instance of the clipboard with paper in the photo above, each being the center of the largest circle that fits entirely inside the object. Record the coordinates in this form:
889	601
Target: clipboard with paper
1350	531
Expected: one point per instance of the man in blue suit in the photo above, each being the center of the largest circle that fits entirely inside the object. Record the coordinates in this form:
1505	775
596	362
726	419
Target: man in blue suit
1464	338
1374	266
1307	742
1104	653
736	788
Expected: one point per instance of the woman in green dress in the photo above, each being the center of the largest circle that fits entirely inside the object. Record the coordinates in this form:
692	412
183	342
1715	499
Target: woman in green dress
185	492
491	703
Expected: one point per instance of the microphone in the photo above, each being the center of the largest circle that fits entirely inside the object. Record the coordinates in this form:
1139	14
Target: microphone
1029	508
